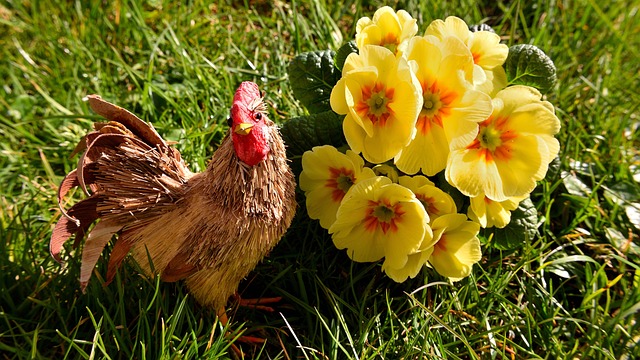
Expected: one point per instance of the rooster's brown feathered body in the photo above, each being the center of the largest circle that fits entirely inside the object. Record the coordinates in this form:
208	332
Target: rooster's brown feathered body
209	228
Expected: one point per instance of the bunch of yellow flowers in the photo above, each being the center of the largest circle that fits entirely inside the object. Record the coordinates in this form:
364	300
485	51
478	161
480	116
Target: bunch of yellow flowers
415	106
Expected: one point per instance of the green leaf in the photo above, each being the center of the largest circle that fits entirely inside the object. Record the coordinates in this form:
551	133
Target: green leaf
312	76
522	228
554	168
633	213
574	185
481	27
344	51
528	65
622	192
303	133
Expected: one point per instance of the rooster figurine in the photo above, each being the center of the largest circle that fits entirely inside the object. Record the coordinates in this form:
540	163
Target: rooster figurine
209	228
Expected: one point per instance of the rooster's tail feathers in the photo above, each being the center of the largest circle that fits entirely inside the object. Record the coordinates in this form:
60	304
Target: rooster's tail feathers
130	175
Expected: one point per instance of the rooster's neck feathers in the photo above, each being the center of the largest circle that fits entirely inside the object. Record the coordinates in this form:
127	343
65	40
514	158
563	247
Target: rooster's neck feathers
254	189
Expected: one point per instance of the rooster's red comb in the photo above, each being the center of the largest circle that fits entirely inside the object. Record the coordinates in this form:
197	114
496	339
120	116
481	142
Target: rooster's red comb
246	94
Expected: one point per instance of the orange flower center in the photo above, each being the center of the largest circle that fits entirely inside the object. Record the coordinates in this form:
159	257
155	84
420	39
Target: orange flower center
494	140
440	246
476	57
390	41
375	103
429	204
436	105
340	181
384	216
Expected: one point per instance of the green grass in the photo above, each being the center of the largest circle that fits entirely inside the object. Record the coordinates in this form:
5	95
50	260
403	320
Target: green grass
573	292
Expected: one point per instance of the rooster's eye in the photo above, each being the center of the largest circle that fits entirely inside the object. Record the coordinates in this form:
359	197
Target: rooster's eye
258	116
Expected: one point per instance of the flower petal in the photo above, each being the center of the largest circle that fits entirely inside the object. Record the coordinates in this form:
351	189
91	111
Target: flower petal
487	50
426	152
472	176
451	26
518	173
338	98
457	247
414	263
489	213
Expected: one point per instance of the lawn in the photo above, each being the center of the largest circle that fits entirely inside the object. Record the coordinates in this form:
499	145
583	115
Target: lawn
572	291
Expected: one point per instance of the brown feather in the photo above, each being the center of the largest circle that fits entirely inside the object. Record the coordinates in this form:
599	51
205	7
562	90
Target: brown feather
77	222
98	238
178	268
129	121
69	182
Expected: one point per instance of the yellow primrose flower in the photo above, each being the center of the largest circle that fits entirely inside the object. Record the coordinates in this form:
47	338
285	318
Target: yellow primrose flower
387	28
457	246
487	52
485	46
451	107
513	148
327	175
377	219
435	201
431	199
489	213
381	99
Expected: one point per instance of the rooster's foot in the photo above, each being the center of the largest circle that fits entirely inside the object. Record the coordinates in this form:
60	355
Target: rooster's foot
252	340
257	304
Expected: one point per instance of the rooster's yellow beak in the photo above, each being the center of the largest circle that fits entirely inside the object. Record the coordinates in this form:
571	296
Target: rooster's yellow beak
243	128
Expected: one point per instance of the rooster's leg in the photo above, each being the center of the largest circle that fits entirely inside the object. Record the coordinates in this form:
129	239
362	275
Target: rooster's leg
258	304
224	320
